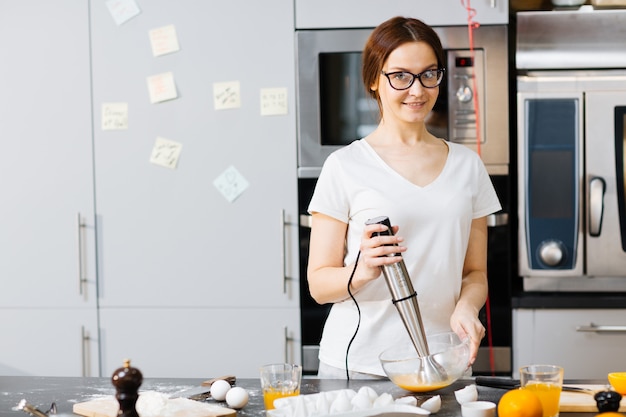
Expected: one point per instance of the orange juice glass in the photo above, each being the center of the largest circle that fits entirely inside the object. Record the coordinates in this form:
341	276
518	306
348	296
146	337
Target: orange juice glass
279	380
546	381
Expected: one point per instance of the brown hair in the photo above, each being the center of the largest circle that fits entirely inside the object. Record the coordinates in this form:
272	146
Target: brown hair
387	37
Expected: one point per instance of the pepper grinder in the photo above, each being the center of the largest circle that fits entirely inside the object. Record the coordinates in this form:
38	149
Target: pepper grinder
127	381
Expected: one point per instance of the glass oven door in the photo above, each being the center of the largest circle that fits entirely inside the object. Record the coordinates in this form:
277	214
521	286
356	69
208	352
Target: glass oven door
605	138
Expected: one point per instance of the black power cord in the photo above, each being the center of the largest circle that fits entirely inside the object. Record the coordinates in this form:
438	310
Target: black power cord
357	309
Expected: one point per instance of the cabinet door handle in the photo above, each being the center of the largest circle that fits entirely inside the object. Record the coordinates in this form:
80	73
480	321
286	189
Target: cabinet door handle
288	341
595	328
82	280
283	254
85	352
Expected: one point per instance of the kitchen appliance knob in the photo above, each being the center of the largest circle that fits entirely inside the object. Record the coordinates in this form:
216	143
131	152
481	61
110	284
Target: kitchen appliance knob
551	252
464	94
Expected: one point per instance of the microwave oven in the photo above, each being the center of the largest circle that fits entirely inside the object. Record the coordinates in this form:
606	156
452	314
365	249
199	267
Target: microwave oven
333	108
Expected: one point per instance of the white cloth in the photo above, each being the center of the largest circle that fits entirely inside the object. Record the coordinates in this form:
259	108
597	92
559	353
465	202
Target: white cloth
356	185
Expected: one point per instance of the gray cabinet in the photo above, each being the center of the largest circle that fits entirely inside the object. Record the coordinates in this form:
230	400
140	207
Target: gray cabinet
47	232
587	343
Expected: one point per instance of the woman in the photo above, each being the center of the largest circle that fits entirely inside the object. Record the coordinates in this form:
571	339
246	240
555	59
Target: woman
437	194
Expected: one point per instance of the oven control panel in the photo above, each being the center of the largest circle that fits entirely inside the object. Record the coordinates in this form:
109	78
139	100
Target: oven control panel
466	98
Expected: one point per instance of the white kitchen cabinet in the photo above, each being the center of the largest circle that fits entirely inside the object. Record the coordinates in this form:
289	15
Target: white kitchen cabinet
170	248
199	342
49	342
587	343
47	236
332	14
170	245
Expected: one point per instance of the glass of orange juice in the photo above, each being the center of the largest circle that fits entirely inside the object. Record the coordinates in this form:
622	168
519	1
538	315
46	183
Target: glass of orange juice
546	381
279	380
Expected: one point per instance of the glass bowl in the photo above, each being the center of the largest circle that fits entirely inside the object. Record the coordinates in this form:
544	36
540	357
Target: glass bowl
405	369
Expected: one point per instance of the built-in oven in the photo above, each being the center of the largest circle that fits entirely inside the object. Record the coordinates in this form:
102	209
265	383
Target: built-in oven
473	109
571	105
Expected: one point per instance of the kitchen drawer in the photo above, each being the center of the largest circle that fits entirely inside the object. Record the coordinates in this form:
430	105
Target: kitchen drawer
588	343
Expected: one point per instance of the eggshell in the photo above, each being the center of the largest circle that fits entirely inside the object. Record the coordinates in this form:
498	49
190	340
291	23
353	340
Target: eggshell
237	397
433	404
219	389
409	400
467	394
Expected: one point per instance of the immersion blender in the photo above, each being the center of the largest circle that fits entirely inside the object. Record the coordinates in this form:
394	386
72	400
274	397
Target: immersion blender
404	297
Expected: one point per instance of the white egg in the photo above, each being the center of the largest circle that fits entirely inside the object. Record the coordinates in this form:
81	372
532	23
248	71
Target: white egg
237	397
219	389
469	393
433	404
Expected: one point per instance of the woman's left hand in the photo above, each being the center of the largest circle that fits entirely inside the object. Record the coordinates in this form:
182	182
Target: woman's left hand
465	324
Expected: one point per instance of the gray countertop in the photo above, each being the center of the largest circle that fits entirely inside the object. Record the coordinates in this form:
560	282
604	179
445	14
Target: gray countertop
66	391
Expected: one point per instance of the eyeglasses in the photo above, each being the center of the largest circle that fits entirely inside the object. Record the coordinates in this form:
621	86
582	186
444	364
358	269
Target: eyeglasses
402	80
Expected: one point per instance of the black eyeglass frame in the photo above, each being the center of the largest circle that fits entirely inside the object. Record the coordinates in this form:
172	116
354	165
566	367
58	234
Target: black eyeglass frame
440	72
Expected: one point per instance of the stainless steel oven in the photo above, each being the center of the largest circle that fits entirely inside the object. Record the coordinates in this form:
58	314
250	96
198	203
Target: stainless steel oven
571	105
333	109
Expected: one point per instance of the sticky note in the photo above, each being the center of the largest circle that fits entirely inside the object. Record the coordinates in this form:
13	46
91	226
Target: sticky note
166	153
163	40
226	95
114	116
273	101
122	10
231	184
161	87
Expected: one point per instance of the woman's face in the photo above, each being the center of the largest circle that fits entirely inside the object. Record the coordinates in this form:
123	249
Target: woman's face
413	104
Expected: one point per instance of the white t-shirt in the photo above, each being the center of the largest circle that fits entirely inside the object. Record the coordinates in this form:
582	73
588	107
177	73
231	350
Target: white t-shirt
356	185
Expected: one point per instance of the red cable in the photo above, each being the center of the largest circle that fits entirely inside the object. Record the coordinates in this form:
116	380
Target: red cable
471	25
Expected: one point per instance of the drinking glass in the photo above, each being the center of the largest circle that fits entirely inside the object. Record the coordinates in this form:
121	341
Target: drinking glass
546	381
279	380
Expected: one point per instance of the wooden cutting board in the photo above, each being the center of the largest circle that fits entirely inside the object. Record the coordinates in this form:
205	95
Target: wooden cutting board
153	404
582	402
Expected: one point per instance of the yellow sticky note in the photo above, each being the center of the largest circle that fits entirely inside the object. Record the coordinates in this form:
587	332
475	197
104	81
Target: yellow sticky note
161	87
226	95
273	101
166	153
164	40
114	116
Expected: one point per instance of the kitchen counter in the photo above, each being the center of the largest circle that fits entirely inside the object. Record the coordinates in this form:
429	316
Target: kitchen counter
65	392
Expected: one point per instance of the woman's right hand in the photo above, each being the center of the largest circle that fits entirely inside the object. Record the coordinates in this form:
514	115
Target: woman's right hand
377	250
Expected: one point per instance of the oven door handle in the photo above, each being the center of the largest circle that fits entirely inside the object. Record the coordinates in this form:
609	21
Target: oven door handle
601	328
597	187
